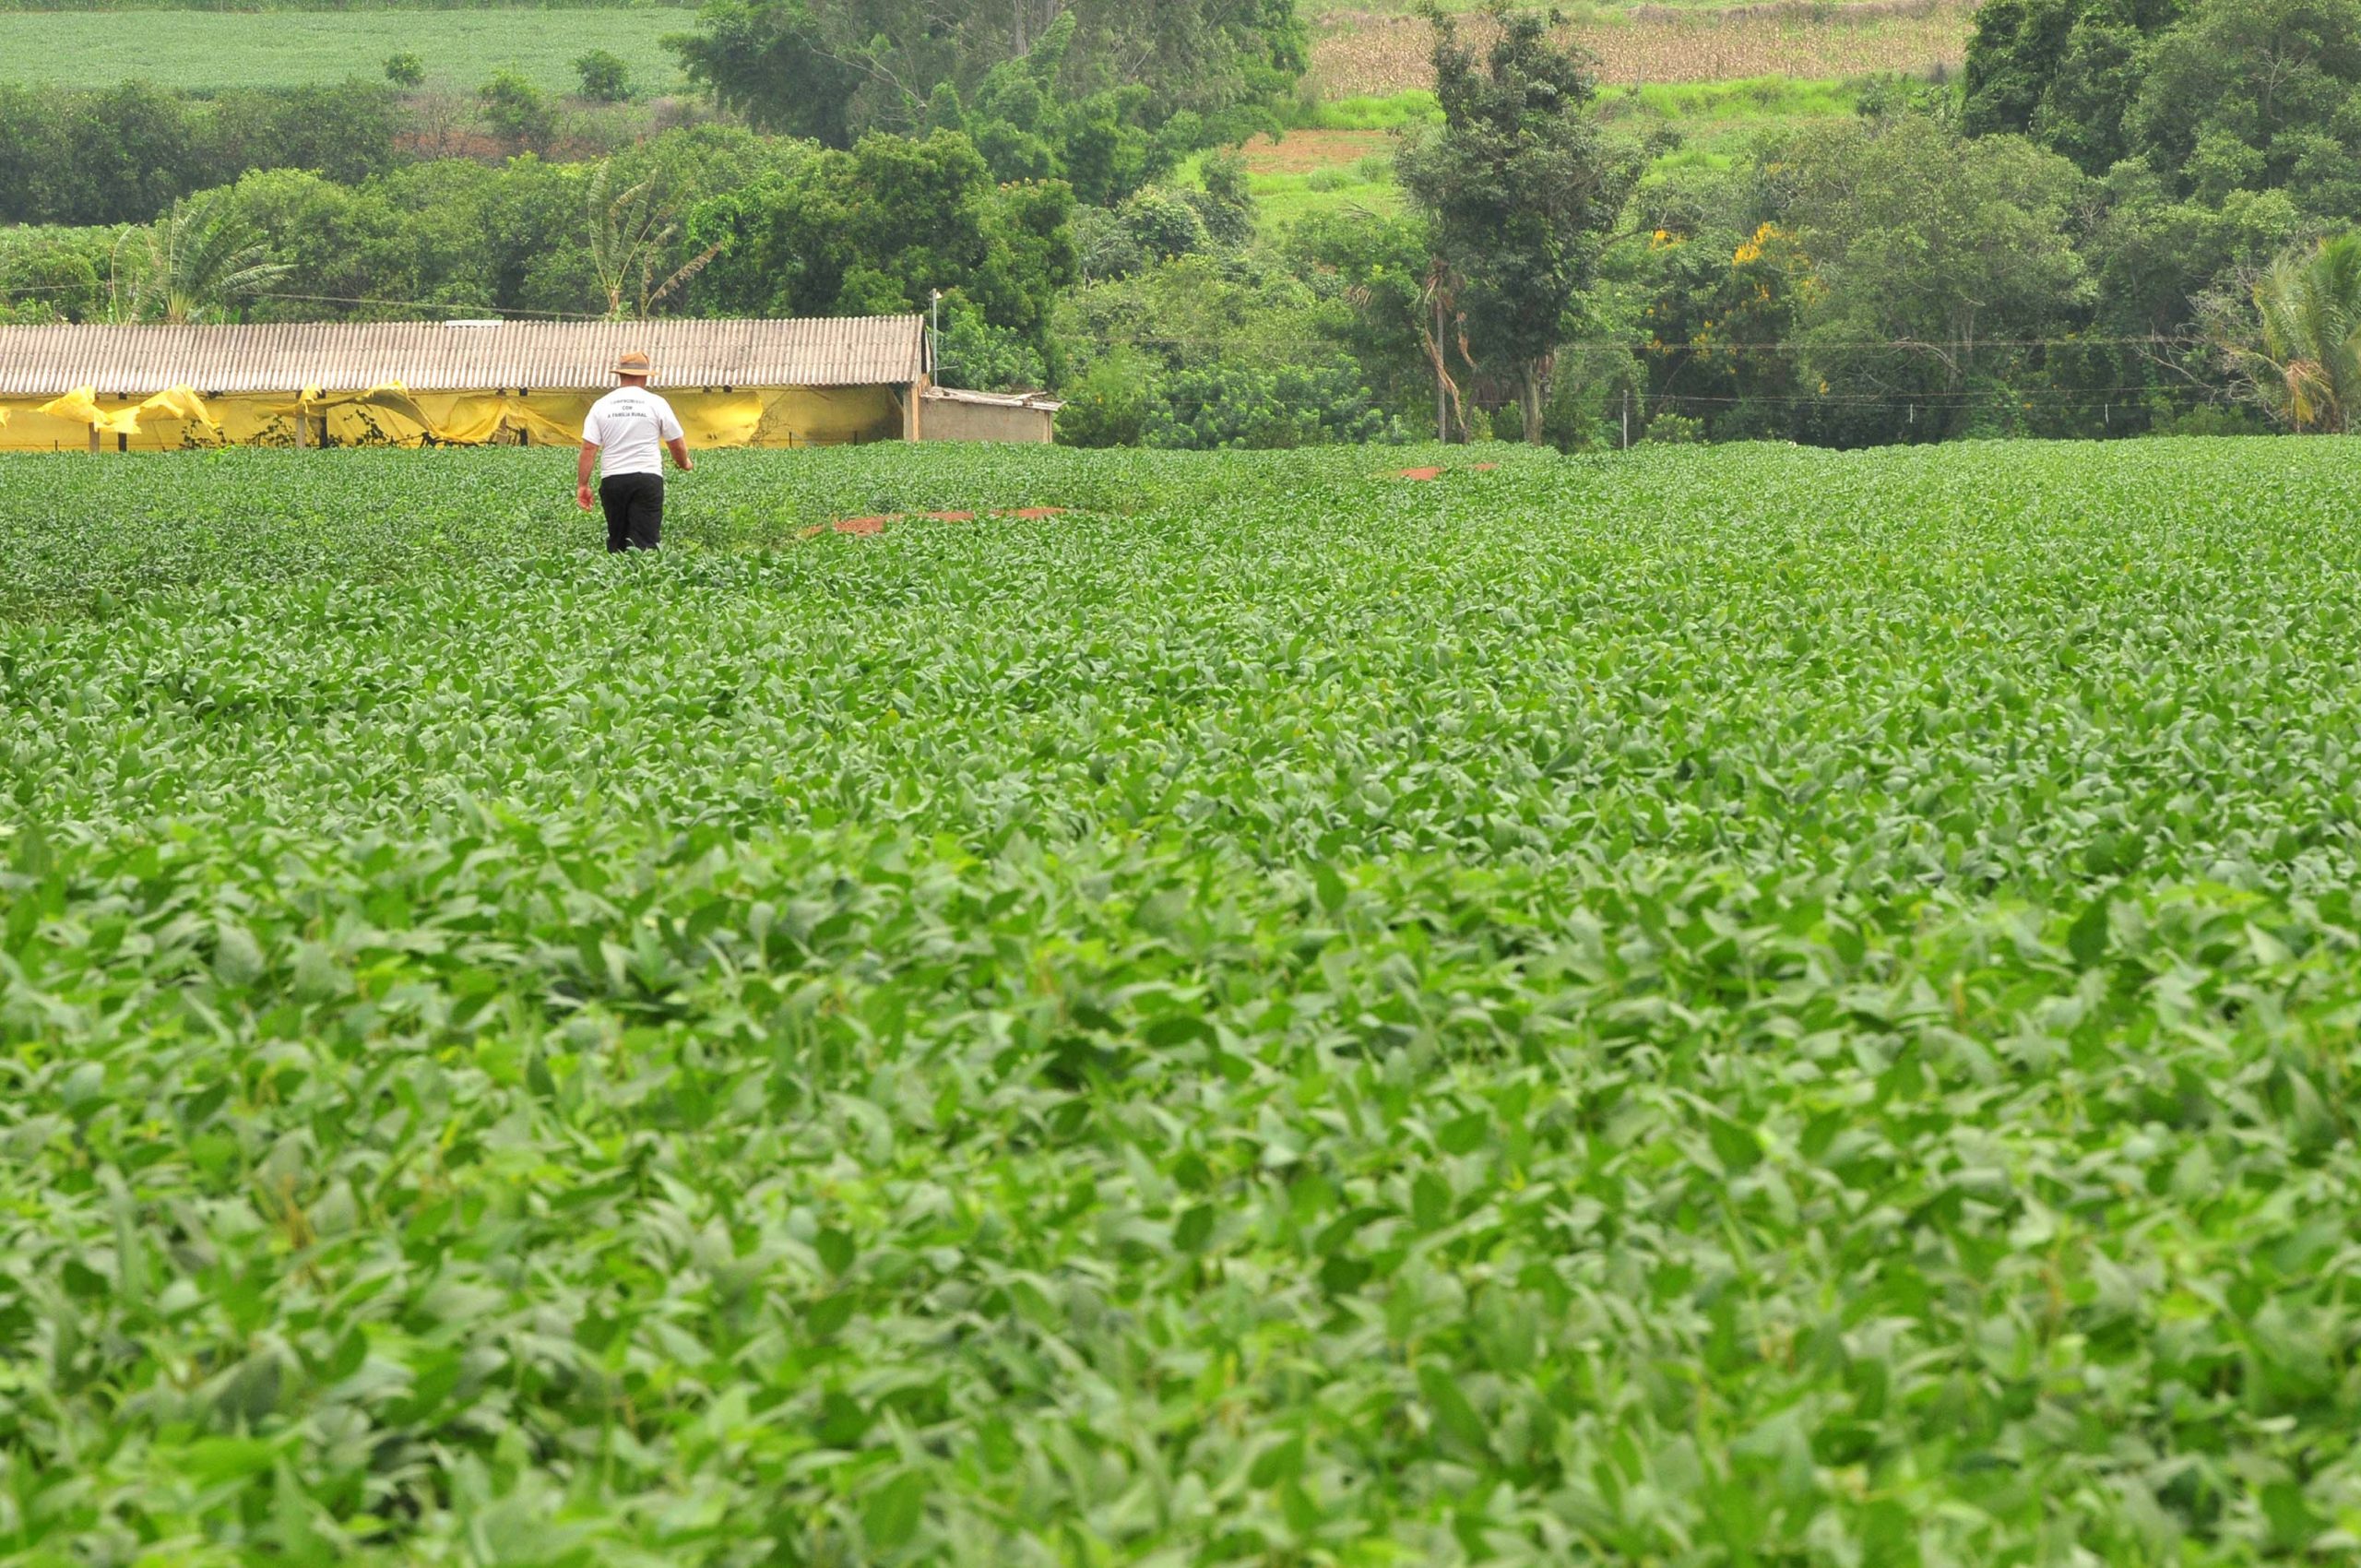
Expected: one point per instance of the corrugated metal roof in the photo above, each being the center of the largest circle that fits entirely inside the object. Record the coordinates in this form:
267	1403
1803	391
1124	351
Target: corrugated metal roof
47	362
993	400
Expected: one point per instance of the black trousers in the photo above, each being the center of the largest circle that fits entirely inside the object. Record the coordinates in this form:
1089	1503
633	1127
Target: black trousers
634	504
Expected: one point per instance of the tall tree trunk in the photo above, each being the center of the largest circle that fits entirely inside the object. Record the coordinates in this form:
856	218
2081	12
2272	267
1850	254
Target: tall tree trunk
1535	391
1438	345
1442	381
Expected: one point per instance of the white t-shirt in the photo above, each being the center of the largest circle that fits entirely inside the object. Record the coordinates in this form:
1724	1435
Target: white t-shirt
629	426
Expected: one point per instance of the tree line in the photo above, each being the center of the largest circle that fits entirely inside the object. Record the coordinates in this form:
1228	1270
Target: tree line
2111	224
2041	247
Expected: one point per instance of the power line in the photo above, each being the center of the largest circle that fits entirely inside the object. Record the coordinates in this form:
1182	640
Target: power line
1791	346
443	305
1787	346
2123	393
1947	400
1913	345
2064	398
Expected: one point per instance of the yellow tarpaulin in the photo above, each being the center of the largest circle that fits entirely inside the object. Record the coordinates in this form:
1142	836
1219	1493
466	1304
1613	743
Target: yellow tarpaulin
390	415
81	407
176	402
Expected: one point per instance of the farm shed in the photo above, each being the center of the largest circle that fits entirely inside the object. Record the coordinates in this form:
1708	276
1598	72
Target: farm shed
949	414
809	383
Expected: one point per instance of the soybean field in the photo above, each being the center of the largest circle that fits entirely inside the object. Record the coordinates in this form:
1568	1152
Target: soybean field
1730	1006
205	50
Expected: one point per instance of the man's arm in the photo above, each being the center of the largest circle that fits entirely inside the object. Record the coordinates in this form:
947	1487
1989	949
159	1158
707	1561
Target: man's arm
582	474
680	447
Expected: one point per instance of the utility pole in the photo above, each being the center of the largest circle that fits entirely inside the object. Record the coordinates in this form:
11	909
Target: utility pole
1627	419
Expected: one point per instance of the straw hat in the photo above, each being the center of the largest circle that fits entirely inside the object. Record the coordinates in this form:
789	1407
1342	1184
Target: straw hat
633	364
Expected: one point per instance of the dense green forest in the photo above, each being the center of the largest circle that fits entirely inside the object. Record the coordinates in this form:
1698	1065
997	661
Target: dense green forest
2108	223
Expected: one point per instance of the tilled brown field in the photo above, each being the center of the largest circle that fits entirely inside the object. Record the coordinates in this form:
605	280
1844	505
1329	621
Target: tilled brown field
1356	53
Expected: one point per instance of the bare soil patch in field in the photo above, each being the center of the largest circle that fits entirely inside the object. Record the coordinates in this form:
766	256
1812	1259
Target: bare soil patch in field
1302	152
1359	53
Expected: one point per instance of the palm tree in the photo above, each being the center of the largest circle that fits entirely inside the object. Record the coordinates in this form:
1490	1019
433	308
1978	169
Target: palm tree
630	232
198	262
2307	371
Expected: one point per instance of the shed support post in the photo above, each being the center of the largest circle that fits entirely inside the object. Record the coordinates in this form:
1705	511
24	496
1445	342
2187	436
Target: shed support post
303	433
94	441
910	411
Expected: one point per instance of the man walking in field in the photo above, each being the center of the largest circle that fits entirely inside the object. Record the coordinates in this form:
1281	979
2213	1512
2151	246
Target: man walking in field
632	427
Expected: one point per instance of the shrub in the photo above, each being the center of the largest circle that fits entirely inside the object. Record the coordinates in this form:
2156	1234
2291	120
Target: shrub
1104	245
405	68
1162	224
2212	419
869	291
606	76
1225	206
1109	405
1231	404
973	353
122	154
516	109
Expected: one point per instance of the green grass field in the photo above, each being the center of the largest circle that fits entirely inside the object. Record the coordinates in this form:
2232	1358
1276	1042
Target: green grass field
205	50
1339	155
1702	1008
1719	123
